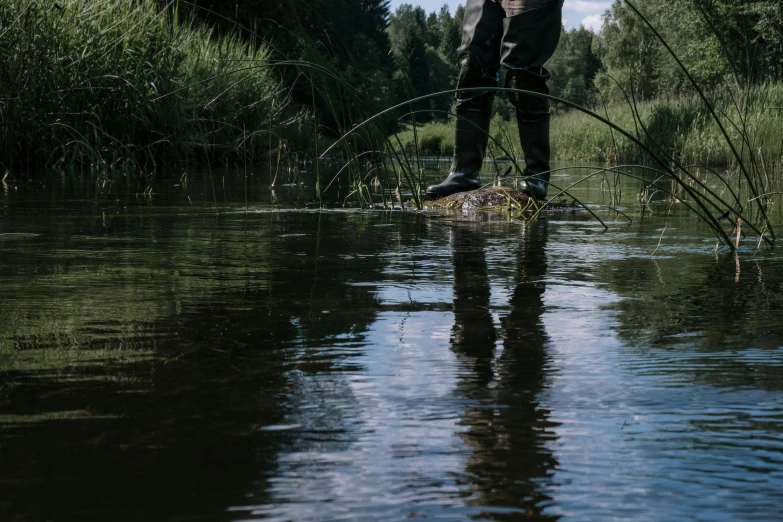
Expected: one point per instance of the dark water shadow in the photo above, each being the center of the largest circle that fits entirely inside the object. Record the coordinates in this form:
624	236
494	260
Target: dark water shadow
504	372
178	430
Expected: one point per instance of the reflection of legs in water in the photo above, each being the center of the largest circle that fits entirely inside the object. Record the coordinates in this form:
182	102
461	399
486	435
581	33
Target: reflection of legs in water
523	374
506	427
473	336
524	334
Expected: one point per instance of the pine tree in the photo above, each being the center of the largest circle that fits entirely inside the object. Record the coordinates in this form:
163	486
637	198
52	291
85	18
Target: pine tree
450	34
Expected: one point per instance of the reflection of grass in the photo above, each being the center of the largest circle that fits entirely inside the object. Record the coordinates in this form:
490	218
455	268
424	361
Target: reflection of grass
66	366
731	344
61	358
53	415
84	301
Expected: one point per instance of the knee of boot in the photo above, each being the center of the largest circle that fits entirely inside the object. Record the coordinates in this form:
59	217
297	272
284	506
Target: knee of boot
474	72
529	105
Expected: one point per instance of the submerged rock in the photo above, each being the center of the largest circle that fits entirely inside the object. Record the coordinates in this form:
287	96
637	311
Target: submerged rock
491	198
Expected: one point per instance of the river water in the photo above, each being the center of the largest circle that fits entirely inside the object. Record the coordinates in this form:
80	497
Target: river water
181	356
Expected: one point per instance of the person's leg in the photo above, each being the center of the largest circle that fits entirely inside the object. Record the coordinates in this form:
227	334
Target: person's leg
479	63
530	36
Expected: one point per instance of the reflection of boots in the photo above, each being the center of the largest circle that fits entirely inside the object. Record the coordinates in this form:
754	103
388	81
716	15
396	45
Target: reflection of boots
470	145
534	137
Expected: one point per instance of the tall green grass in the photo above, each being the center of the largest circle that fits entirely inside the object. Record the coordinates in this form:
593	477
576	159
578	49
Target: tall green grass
679	126
105	83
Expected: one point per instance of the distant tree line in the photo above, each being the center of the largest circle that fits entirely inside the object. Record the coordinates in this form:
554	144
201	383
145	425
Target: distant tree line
391	57
720	41
424	48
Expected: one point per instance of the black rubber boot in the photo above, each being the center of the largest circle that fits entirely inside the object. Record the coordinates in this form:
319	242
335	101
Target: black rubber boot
534	137
533	122
470	145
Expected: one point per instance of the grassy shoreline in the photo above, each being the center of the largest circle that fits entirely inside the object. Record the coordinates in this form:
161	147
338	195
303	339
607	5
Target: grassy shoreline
118	83
680	126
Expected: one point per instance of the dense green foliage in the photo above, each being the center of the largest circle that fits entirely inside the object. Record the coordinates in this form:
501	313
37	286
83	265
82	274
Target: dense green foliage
173	81
346	38
425	49
574	66
734	52
110	82
721	42
679	124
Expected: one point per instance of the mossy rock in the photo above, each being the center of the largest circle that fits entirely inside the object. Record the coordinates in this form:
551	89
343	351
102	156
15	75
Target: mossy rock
491	198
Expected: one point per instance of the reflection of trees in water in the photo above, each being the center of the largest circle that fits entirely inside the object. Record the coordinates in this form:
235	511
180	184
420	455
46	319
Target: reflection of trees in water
507	430
722	308
230	313
324	286
179	435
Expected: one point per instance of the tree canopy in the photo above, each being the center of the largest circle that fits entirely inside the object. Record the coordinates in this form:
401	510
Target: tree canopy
390	57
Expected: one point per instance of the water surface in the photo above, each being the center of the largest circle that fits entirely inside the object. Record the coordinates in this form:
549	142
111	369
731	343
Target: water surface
183	356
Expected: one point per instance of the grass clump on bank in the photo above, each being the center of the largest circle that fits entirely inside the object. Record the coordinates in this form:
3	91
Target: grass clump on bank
679	126
105	83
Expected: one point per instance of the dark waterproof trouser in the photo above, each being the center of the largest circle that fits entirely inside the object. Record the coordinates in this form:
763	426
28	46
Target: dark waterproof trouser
518	35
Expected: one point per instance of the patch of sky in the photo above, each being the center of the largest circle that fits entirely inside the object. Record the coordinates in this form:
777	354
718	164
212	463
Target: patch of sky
575	12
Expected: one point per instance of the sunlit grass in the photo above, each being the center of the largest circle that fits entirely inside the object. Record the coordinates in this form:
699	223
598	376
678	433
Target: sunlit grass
680	126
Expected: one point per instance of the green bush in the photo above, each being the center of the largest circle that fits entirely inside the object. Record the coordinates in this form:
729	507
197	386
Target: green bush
678	127
89	81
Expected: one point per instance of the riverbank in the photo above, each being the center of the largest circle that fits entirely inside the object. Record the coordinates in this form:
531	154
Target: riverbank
118	83
680	126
